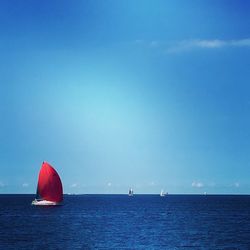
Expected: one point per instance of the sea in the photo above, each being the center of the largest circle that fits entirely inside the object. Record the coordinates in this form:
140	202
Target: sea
123	222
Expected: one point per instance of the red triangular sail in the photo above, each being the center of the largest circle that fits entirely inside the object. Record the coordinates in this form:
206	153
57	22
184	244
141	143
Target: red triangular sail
49	184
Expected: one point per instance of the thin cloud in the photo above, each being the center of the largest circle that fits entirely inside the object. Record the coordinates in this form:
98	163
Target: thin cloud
2	184
212	184
109	184
187	45
197	184
152	183
236	184
191	44
149	44
240	43
154	43
25	185
139	41
74	185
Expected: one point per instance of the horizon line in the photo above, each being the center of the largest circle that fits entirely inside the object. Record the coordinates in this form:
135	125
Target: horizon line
72	194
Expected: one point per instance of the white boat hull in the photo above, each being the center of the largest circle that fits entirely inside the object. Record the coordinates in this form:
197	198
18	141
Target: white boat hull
45	203
162	194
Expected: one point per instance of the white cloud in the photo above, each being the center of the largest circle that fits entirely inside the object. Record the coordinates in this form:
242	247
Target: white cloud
74	185
25	184
197	184
212	184
191	44
154	43
187	45
139	41
207	43
152	183
236	184
242	42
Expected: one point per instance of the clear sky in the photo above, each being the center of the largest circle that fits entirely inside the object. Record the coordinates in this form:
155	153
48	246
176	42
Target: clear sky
116	94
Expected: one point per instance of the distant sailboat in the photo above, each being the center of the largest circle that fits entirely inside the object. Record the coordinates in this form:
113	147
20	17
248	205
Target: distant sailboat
163	193
130	192
49	187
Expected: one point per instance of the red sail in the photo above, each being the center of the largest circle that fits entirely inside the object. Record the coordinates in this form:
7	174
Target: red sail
49	184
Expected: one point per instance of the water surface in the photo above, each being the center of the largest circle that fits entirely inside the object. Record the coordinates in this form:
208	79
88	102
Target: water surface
123	222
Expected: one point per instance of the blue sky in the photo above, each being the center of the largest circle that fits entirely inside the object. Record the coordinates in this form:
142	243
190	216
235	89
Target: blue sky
116	94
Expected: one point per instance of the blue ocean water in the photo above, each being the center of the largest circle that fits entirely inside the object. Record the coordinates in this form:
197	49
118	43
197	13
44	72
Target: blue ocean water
123	222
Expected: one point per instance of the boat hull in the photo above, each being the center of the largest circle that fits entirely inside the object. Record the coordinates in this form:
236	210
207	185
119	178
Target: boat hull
45	203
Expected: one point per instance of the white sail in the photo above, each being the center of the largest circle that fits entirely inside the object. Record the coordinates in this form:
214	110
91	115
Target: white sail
163	193
130	192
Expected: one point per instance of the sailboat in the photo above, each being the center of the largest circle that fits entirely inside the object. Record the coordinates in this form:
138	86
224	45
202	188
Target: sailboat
130	192
163	193
49	187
